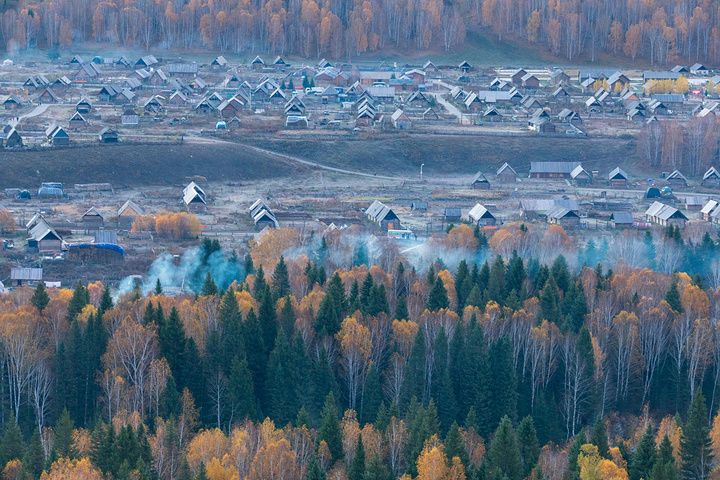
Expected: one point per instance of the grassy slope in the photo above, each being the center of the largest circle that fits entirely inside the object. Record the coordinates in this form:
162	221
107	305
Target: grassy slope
124	165
451	155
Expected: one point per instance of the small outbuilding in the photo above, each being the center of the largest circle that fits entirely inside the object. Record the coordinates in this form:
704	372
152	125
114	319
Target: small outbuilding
480	182
621	220
479	215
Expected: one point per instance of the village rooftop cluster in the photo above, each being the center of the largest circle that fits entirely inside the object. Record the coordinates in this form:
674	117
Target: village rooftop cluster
77	100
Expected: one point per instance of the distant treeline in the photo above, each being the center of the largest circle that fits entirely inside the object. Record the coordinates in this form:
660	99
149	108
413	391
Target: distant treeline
660	31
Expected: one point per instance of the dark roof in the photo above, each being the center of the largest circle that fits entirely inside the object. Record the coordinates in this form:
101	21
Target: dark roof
624	218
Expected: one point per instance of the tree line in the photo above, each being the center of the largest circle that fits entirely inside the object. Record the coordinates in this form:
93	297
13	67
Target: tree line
659	32
311	371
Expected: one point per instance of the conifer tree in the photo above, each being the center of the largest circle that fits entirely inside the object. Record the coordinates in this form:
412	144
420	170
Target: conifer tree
241	390
281	279
173	340
560	273
529	445
40	298
549	302
437	298
158	287
644	457
401	310
287	318
34	460
672	297
598	437
573	470
504	455
356	471
455	446
330	430
314	470
80	298
106	301
695	444
496	282
63	443
665	467
503	386
268	320
209	287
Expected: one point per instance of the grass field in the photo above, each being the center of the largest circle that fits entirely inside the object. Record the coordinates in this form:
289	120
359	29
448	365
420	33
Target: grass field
136	165
139	165
450	155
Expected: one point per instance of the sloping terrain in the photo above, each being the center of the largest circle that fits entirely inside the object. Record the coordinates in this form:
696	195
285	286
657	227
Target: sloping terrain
137	165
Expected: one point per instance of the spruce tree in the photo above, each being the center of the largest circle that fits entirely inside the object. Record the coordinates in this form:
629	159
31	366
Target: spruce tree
173	340
260	283
496	282
327	321
529	445
209	287
241	390
34	460
401	310
80	298
158	287
281	279
12	443
437	298
455	446
442	388
372	396
314	470
40	298
268	320
287	318
106	301
560	273
330	430
503	393
695	444
665	467
549	302
598	437
504	455
573	470
356	471
644	457
63	443
672	297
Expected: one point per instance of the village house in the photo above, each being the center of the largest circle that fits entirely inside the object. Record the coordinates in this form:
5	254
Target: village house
87	72
57	136
711	178
419	206
568	116
382	215
552	169
452	214
480	182
194	198
618	178
48	96
12	139
581	176
44	238
219	64
83	106
676	179
708	209
27	277
128	213
77	121
517	76
558	78
479	215
693	202
262	216
506	174
12	102
665	215
562	216
538	208
92	220
492	115
257	64
621	219
400	120
146	61
108	135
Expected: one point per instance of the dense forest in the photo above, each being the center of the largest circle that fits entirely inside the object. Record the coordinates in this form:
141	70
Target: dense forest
658	31
528	364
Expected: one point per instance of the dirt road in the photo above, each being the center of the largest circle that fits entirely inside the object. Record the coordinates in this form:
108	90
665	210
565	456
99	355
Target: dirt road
294	159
